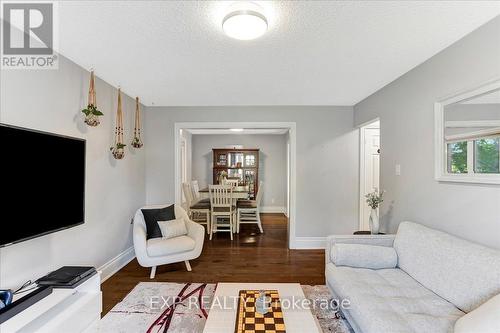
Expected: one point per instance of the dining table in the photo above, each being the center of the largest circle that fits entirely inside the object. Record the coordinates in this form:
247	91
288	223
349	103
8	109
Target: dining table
239	192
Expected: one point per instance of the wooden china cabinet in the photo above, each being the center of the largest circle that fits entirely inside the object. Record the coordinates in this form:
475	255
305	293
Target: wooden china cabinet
241	164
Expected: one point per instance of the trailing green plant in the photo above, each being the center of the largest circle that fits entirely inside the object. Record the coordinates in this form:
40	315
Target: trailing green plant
118	146
137	143
92	109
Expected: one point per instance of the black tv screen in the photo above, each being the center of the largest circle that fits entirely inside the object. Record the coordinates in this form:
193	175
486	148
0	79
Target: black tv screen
42	183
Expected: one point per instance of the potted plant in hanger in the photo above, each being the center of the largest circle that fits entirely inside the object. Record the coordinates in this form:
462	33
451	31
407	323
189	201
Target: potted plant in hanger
117	149
91	113
374	199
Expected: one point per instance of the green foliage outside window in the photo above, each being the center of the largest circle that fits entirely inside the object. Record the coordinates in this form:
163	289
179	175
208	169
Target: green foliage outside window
487	159
457	157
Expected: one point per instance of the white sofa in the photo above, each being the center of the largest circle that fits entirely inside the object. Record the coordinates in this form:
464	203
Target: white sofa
161	251
436	280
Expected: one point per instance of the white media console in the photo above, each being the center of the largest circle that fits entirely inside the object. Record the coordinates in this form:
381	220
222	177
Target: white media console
64	310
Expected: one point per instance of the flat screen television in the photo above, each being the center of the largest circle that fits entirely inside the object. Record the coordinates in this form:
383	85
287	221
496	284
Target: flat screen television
42	183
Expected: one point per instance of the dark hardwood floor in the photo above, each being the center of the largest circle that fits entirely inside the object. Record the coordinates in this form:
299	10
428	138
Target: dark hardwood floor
250	257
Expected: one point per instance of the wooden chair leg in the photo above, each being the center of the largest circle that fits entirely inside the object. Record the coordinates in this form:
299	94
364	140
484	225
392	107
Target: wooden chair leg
211	226
259	222
231	220
208	222
153	272
238	221
188	265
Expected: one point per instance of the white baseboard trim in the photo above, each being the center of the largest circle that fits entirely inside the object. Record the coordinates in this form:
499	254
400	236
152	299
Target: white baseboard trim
309	243
115	264
272	209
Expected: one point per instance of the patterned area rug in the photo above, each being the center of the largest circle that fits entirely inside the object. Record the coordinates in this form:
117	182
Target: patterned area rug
159	307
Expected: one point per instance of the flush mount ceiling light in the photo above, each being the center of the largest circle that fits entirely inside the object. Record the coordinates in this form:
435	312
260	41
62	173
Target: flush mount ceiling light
244	21
236	129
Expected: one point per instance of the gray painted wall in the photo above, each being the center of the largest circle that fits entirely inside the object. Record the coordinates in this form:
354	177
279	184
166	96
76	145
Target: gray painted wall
327	159
51	100
272	166
405	108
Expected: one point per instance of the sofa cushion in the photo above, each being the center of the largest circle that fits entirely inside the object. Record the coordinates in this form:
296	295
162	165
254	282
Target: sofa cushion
390	301
157	247
364	256
464	273
484	319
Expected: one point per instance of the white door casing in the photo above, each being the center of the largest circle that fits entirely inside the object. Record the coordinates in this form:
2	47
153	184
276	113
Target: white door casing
293	241
183	166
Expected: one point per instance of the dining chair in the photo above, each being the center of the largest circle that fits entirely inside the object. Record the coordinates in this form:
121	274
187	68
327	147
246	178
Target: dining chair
195	189
231	182
223	211
248	211
198	211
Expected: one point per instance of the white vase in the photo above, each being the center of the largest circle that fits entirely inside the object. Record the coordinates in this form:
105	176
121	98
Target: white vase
374	222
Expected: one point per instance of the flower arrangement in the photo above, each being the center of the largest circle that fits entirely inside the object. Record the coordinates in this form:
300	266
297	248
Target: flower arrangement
374	199
222	176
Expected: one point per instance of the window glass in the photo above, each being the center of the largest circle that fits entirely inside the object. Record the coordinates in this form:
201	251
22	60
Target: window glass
486	155
457	157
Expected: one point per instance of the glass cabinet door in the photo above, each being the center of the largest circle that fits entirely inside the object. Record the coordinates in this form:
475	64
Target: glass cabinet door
221	159
250	181
250	160
236	160
236	173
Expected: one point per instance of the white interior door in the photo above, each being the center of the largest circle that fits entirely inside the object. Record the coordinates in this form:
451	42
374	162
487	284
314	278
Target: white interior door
371	170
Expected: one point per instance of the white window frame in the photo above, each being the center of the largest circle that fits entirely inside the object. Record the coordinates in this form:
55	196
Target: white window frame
440	147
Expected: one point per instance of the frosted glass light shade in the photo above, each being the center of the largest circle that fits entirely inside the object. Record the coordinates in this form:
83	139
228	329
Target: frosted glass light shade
244	24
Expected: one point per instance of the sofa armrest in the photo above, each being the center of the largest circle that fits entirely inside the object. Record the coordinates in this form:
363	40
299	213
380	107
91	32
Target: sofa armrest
484	319
379	240
197	232
139	237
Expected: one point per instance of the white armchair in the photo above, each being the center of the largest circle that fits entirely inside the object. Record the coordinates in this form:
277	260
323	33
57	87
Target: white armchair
160	251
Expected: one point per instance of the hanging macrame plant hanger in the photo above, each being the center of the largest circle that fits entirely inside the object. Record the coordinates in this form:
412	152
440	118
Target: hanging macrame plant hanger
118	150
137	141
92	114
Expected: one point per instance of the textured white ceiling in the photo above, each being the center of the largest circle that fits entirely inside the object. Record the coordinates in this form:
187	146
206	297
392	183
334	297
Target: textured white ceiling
315	52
